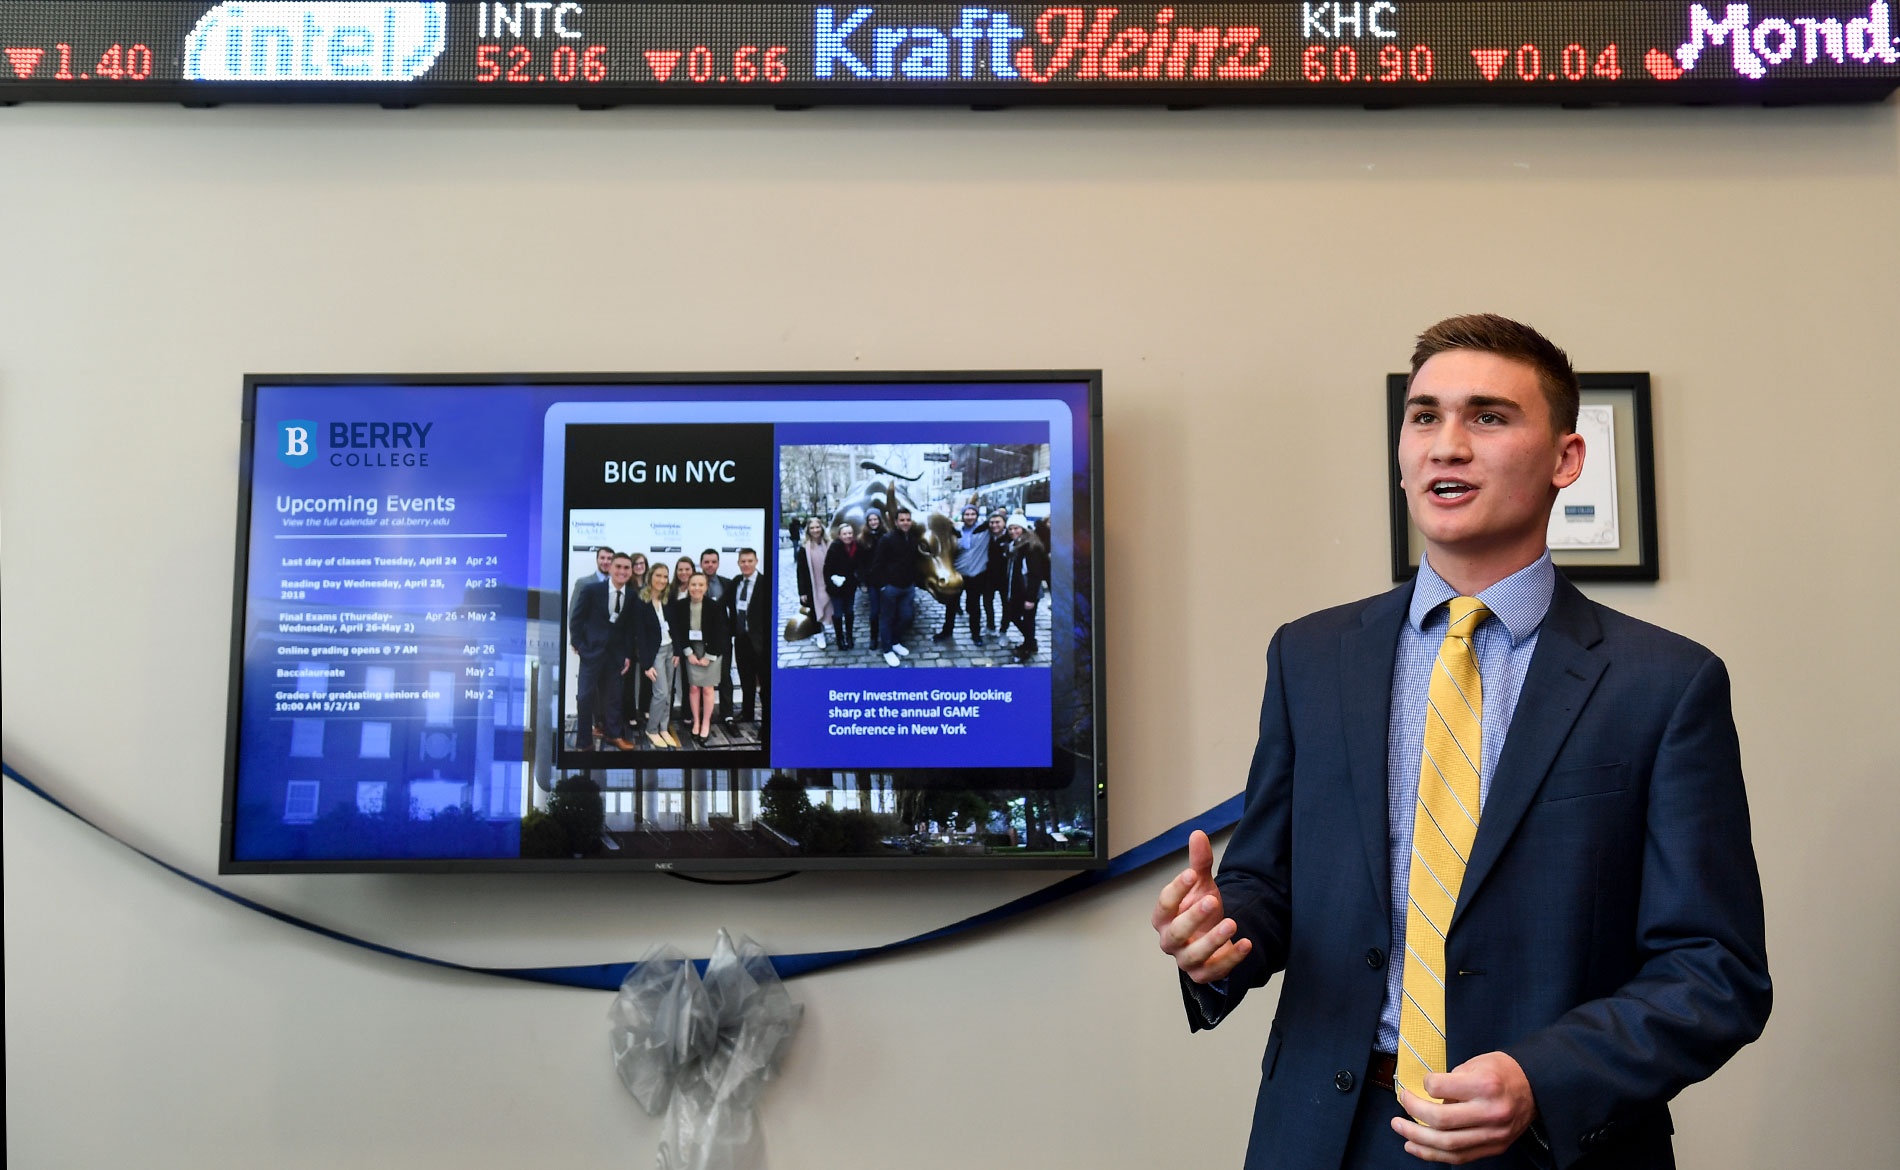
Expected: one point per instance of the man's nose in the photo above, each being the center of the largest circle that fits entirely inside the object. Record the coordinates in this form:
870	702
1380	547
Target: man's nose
1451	443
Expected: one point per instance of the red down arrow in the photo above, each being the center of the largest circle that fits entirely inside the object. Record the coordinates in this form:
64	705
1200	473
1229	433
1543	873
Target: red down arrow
663	62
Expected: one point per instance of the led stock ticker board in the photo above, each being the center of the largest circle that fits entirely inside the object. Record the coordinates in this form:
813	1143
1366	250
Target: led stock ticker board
602	53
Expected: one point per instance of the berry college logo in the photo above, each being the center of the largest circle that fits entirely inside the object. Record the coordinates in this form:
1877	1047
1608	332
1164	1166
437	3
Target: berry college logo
294	443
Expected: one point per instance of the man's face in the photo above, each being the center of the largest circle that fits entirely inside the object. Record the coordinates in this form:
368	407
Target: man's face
620	570
1478	459
969	517
709	563
747	564
603	560
996	525
903	521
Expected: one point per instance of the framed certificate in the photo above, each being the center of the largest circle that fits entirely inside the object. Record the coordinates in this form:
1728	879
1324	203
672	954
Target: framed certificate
1602	527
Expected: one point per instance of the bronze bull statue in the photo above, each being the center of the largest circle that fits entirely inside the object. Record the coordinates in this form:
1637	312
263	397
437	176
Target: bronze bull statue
937	545
937	548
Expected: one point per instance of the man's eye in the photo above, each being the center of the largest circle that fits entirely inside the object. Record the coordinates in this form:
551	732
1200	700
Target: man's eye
1490	418
1425	416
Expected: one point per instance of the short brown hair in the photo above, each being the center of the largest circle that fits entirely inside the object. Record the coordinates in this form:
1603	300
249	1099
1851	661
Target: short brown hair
1490	333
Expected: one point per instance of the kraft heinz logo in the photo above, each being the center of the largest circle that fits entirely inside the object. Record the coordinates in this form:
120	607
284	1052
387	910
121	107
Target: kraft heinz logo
1758	46
984	43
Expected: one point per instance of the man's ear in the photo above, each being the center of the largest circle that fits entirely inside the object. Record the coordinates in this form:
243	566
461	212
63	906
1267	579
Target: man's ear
1569	460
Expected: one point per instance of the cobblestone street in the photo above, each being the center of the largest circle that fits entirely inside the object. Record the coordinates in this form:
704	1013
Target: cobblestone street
926	620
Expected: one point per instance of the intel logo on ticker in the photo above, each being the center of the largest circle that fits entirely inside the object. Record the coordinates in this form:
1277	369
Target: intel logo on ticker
355	444
316	40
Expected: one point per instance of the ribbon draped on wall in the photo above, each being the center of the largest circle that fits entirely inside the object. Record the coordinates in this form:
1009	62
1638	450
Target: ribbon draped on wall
609	976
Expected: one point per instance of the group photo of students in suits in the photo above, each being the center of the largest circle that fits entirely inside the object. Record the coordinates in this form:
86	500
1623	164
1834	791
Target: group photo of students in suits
658	650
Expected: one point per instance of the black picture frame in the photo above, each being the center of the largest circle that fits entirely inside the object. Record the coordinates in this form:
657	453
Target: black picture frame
1637	559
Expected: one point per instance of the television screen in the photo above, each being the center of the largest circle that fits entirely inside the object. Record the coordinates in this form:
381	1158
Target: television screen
712	622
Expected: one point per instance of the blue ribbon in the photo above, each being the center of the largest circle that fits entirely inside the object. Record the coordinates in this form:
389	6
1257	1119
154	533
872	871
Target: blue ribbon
609	976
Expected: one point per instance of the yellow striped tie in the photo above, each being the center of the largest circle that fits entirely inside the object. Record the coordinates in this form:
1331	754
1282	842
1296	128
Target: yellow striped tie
1444	825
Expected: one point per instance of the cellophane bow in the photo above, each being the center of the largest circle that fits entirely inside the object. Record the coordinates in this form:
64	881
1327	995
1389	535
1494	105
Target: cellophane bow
700	1049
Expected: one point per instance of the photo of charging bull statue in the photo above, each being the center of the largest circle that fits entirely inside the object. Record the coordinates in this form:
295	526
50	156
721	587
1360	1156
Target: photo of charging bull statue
845	599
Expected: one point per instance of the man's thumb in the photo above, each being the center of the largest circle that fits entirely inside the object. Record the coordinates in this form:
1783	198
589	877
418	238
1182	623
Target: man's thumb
1200	853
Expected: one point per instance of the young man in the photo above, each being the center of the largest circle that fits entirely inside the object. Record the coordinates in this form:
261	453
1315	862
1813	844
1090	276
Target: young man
599	630
1495	834
894	568
716	585
603	561
992	578
751	625
973	558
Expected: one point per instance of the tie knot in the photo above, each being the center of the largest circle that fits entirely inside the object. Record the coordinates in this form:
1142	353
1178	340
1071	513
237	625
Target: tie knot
1466	613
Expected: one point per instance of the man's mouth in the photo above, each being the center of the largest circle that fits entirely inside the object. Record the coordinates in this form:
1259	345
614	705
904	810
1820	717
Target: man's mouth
1452	489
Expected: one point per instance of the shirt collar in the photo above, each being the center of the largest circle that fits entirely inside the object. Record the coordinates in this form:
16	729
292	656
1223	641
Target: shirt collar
1520	601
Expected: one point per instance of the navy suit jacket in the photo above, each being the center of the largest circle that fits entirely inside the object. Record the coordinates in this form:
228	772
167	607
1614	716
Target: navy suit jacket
758	610
1608	934
716	627
591	628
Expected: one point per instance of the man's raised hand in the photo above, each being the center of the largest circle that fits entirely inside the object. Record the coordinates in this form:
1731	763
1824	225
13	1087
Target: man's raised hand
1188	919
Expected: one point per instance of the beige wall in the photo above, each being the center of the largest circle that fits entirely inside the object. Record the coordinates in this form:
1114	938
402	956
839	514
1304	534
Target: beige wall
1244	278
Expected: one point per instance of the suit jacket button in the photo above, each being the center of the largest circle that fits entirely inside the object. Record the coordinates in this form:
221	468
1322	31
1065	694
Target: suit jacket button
1343	1080
1375	958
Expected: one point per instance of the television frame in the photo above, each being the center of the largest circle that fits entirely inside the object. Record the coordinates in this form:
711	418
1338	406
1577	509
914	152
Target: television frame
1093	679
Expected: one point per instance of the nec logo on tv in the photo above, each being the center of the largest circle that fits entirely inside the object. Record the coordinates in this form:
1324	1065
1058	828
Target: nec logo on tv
355	442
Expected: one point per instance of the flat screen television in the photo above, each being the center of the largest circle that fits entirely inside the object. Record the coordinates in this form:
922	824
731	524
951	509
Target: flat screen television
450	650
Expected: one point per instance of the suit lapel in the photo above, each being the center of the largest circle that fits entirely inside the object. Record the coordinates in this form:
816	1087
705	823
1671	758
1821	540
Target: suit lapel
1563	672
1365	693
